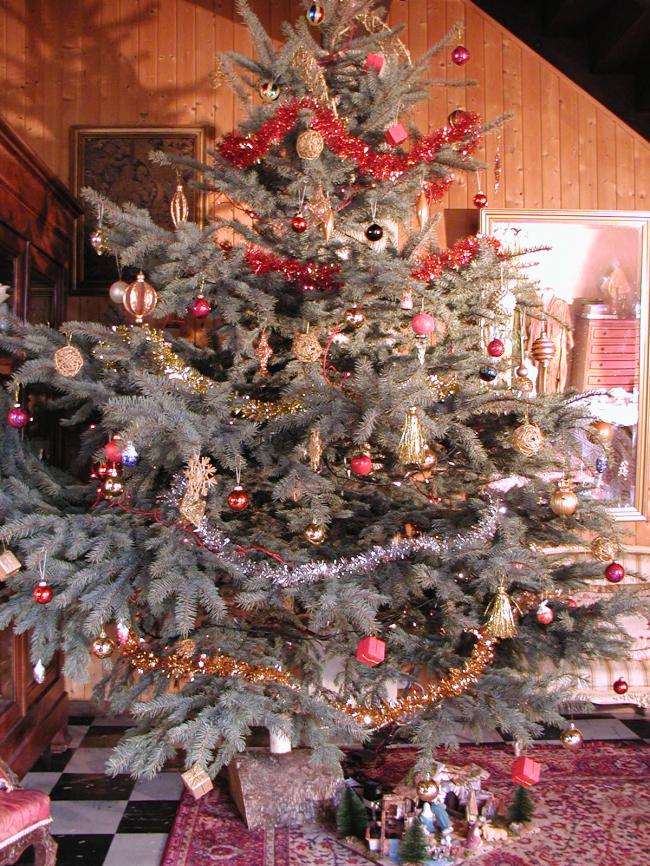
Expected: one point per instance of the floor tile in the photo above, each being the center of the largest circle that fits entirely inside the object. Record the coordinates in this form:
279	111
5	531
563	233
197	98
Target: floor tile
641	727
76	851
92	817
606	729
148	817
41	781
92	786
143	849
103	736
166	786
49	763
75	734
89	760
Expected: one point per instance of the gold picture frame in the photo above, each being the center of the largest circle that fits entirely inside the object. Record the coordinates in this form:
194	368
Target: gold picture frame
115	162
595	284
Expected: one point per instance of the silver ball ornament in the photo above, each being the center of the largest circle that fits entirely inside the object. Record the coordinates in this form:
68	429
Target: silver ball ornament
116	291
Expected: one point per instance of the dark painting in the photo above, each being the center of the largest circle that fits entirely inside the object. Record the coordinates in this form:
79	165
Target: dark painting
116	163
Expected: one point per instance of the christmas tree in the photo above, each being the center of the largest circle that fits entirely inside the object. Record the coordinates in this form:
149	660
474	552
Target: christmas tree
351	816
352	475
414	846
521	808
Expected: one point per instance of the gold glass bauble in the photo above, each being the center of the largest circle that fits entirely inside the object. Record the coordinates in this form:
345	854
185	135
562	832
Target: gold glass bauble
604	549
527	439
307	348
427	790
112	486
523	384
103	646
601	433
571	738
315	533
354	317
309	144
564	499
99	241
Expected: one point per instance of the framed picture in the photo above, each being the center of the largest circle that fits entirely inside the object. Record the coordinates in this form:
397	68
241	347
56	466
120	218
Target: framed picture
593	285
115	161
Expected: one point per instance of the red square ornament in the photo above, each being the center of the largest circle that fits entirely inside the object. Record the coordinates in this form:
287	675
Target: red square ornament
526	771
371	651
376	62
396	134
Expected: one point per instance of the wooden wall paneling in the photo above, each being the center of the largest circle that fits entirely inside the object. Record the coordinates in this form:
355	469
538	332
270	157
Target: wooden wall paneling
606	138
73	95
457	196
167	44
210	102
129	46
550	167
569	155
588	153
532	130
475	97
418	37
492	88
147	65
625	186
641	175
513	157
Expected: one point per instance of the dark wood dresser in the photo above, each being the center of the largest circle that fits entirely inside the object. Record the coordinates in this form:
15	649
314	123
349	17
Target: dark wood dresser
605	354
38	216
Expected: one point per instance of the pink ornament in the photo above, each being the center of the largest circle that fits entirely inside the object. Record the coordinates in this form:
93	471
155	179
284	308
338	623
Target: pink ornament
423	324
17	417
460	55
361	464
371	651
544	615
495	348
396	134
374	61
200	307
614	572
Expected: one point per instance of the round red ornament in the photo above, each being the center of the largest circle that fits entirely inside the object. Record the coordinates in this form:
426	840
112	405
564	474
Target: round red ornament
458	117
423	324
620	686
299	223
480	200
614	572
200	307
113	449
238	499
495	348
571	602
43	592
544	615
17	417
460	55
361	464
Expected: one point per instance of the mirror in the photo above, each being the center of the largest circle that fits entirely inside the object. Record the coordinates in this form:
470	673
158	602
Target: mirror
593	289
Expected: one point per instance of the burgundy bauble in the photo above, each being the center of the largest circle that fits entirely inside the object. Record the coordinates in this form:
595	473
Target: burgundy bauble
480	200
458	117
460	55
200	307
361	464
17	417
374	232
423	324
43	593
570	602
495	348
238	499
614	572
299	223
620	686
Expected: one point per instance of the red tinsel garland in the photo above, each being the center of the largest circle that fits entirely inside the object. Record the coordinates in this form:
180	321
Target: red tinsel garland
457	256
244	150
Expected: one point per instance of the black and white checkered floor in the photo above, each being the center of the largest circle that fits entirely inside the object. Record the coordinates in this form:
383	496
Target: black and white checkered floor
102	821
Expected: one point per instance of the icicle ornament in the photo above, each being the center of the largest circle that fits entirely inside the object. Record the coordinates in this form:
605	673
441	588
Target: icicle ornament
412	445
178	207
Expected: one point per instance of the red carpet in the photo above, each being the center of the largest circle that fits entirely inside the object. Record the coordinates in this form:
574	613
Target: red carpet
592	808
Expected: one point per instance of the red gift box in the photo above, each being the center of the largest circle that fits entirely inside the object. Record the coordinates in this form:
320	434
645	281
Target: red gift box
371	651
376	62
526	771
396	134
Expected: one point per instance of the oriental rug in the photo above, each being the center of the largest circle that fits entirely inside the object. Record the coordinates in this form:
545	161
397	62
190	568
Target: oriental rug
592	808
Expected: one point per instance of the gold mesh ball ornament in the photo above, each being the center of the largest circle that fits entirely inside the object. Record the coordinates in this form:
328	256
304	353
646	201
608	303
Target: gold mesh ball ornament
309	144
68	361
564	499
527	439
140	298
604	549
307	348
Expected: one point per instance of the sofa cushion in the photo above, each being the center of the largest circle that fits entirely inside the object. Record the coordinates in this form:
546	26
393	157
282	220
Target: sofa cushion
20	810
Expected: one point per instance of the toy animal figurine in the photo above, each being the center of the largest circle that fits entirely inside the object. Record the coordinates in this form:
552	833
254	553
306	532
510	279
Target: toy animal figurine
493	834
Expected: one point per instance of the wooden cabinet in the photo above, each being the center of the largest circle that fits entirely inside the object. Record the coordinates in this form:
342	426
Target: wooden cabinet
37	225
606	354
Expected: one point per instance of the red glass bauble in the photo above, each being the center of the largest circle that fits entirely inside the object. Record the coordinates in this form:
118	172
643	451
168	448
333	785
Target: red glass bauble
620	686
495	348
480	200
299	223
571	602
238	499
614	572
423	324
43	593
460	55
544	615
458	117
200	307
361	464
17	417
113	449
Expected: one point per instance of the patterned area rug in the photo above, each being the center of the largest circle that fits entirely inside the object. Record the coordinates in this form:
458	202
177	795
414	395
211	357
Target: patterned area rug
592	808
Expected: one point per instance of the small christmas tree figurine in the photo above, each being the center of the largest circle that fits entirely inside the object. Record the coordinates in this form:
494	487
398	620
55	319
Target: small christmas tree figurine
351	816
521	808
413	851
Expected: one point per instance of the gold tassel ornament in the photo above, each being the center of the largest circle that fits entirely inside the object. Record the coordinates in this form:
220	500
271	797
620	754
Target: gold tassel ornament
413	446
314	449
501	620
